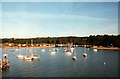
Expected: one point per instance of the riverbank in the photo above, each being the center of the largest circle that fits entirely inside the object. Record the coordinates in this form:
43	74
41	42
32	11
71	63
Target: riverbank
7	47
107	48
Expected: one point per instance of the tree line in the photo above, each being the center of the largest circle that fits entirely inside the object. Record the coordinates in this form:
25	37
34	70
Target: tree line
98	40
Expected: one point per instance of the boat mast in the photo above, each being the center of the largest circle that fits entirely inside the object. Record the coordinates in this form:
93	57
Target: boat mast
32	46
75	51
85	45
26	48
20	50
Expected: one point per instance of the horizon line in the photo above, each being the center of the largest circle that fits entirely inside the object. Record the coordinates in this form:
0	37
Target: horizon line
56	36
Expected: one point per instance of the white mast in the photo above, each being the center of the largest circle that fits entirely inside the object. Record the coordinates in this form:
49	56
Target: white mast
32	46
85	46
26	48
75	52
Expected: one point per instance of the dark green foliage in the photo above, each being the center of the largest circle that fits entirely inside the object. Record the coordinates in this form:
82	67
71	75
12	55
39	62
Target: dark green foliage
99	40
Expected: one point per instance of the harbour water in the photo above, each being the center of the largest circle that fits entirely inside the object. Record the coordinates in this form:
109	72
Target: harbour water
100	63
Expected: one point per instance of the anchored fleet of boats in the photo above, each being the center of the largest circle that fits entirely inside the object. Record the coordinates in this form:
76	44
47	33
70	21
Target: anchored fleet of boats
5	64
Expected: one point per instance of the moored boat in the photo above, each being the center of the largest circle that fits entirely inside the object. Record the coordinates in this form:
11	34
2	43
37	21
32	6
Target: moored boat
68	53
43	50
53	53
19	56
84	54
95	50
74	57
28	58
35	56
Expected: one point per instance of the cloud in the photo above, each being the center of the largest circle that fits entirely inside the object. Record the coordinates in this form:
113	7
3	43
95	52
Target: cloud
23	24
37	16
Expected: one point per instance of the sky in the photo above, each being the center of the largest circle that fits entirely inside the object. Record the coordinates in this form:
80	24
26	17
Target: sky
54	19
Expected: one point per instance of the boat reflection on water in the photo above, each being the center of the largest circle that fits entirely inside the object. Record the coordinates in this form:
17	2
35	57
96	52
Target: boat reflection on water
85	58
74	66
5	72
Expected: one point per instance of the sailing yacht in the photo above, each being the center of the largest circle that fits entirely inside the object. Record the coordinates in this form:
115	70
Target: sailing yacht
72	50
20	56
74	57
68	52
5	54
43	50
27	57
85	54
35	56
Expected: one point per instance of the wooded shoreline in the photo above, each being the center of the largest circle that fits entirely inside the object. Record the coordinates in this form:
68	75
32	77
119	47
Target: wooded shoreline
7	47
106	48
111	42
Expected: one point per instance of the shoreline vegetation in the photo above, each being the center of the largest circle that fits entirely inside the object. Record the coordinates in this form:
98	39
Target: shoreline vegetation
110	42
107	48
7	47
94	47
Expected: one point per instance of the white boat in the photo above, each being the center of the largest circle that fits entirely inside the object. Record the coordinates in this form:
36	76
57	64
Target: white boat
104	63
43	50
19	56
68	53
84	54
88	48
28	58
56	49
35	56
5	55
72	49
74	57
53	53
95	50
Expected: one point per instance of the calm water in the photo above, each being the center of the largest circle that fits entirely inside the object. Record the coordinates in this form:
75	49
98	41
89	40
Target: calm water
62	65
